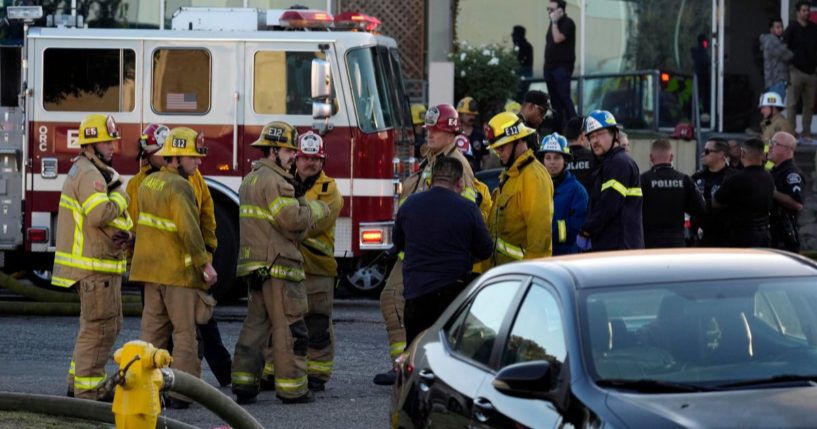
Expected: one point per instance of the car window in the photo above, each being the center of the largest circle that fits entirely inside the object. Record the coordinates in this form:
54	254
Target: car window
181	81
282	82
706	333
537	332
89	80
473	333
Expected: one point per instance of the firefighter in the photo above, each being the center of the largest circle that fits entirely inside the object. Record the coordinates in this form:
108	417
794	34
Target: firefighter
468	111
93	229
771	109
318	250
418	113
150	142
170	256
569	198
788	194
442	124
522	210
274	217
614	216
667	195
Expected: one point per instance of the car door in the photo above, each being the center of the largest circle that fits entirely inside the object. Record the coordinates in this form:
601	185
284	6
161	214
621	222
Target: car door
455	366
537	333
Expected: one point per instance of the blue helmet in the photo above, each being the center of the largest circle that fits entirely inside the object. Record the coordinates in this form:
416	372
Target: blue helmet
555	143
597	120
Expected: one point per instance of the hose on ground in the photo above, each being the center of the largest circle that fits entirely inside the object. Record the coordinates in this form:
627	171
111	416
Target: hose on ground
62	406
22	308
32	292
209	397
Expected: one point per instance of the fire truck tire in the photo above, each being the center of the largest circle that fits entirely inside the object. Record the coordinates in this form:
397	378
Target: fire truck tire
226	257
367	275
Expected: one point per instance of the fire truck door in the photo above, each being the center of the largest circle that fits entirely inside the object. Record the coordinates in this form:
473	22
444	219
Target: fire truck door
198	85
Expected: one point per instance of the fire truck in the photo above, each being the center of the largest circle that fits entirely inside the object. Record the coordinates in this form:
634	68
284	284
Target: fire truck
224	72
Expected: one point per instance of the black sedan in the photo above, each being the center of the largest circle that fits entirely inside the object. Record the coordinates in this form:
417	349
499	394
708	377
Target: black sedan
660	339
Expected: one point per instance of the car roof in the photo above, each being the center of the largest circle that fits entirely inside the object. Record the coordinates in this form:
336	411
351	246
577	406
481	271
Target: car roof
669	265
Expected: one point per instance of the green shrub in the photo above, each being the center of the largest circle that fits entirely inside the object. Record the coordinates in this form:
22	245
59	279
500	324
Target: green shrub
488	74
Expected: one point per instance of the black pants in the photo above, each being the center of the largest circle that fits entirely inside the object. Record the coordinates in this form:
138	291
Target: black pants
558	83
421	312
750	237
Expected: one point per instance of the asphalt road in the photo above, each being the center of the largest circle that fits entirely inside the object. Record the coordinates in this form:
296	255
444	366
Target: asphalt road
36	352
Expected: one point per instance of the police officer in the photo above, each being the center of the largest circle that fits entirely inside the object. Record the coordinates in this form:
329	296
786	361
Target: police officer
150	142
468	110
710	229
442	124
442	235
93	229
522	210
582	162
570	197
318	250
748	197
170	256
788	194
668	194
273	219
614	217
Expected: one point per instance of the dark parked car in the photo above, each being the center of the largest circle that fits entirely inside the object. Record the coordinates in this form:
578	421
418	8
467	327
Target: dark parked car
638	339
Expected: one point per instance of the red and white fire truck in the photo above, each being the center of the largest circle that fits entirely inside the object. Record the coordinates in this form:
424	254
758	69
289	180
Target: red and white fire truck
226	72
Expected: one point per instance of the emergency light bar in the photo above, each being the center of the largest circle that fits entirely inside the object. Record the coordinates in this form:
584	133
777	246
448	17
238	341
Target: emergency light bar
306	18
26	13
357	21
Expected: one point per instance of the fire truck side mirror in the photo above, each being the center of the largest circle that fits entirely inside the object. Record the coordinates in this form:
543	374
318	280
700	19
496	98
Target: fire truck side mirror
321	79
321	110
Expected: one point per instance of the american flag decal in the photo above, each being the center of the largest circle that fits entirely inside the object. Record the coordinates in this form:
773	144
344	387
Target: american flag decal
181	101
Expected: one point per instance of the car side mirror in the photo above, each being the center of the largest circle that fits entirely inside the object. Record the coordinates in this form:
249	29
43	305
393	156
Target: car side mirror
526	380
321	79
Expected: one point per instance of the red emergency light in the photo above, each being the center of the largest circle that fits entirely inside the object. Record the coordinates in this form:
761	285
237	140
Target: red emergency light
357	21
664	78
37	235
306	19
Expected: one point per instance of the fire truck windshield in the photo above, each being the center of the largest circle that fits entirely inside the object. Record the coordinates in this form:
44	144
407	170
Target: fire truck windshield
370	89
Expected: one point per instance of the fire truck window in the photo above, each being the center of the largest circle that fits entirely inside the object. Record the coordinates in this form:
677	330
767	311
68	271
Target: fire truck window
371	114
89	80
9	76
181	81
282	82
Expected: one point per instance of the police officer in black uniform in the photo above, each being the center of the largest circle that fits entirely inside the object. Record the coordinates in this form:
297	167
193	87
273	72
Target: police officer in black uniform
667	194
748	196
788	194
583	161
713	223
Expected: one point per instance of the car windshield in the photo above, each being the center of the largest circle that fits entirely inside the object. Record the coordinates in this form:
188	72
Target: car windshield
709	334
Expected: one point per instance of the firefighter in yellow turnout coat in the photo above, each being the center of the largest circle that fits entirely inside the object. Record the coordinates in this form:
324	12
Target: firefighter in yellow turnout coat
522	211
92	229
442	124
273	221
170	256
318	250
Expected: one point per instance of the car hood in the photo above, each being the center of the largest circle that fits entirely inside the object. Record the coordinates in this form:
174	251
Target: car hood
777	408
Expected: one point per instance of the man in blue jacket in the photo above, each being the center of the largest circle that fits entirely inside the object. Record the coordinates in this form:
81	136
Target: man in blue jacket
442	235
569	196
614	217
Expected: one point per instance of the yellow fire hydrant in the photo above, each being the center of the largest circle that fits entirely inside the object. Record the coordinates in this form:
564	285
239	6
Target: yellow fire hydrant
137	404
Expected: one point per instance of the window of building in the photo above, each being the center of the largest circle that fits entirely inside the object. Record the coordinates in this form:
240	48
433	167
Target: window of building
182	80
89	80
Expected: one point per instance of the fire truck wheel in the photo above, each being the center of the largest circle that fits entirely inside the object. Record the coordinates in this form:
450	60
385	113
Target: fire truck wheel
367	275
226	257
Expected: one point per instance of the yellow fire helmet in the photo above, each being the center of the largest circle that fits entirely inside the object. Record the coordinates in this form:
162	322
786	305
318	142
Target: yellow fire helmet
277	134
183	141
97	128
504	128
513	106
468	106
418	114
